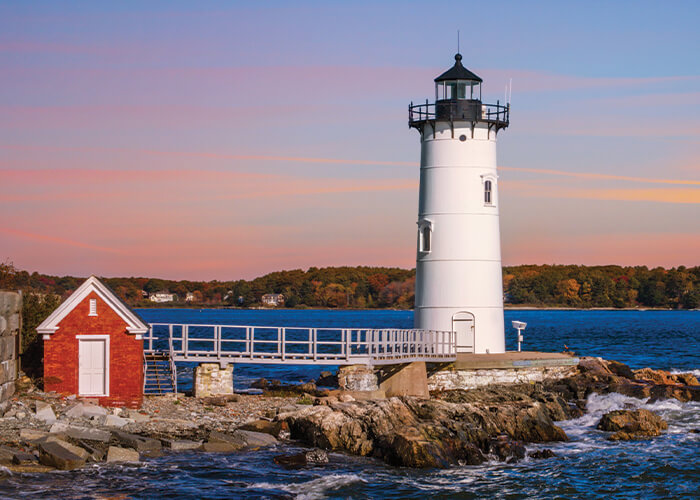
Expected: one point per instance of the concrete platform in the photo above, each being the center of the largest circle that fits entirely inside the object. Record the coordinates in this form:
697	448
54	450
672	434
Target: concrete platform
510	360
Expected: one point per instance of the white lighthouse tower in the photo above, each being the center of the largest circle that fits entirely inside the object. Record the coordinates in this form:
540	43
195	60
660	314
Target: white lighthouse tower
458	266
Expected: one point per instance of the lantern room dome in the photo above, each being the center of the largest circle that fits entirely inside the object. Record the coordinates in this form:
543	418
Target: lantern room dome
458	72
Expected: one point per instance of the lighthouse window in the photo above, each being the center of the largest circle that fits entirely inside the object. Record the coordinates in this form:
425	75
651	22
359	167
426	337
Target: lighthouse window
425	239
487	193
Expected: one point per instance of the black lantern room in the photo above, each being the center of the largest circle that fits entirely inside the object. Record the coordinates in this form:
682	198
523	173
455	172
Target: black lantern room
458	83
458	99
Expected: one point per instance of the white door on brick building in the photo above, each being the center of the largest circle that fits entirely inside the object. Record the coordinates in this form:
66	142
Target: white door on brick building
93	356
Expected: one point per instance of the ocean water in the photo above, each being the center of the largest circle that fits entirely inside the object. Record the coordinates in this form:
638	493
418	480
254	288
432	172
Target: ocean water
588	466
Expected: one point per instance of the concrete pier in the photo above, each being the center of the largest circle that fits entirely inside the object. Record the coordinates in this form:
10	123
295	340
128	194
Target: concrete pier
212	380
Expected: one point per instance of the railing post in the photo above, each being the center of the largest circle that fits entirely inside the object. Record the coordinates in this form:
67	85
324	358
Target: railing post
315	339
185	337
284	340
347	334
310	341
279	341
217	338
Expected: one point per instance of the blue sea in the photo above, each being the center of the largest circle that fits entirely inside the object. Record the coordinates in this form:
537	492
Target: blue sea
588	466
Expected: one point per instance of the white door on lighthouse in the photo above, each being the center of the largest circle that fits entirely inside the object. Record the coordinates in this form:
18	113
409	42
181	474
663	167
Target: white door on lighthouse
463	326
92	361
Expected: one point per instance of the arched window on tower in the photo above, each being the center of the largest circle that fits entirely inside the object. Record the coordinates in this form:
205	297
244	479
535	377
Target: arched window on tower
488	193
425	236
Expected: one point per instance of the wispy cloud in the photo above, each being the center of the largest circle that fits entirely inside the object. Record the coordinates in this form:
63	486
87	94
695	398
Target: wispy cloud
44	238
660	195
595	176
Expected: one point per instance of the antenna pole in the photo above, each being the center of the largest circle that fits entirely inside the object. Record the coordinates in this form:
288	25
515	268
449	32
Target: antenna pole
458	41
510	91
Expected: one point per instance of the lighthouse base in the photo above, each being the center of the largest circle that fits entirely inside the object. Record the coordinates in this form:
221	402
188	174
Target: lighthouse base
478	330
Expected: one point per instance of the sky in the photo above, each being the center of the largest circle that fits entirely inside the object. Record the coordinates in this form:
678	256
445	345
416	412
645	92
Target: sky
225	140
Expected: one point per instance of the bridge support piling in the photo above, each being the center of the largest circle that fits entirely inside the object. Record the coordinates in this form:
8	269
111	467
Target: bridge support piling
408	379
211	379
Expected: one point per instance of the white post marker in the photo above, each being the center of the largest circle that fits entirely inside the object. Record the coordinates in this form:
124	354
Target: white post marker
459	285
520	326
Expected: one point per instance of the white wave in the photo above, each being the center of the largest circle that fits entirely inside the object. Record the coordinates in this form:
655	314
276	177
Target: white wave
316	488
674	371
681	417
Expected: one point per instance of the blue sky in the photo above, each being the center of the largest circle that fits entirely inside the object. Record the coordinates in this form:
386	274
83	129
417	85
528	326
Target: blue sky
125	126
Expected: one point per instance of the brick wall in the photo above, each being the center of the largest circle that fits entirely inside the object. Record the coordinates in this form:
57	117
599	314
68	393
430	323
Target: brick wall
126	354
10	323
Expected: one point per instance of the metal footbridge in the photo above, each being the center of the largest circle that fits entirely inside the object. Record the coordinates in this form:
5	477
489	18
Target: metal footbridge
226	344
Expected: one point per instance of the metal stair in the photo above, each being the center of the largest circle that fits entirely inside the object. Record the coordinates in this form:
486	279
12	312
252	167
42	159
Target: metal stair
159	374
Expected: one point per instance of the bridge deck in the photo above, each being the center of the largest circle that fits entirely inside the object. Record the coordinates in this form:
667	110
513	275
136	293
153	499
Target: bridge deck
226	344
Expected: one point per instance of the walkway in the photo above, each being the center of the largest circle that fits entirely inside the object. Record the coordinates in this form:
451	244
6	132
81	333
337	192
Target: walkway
297	345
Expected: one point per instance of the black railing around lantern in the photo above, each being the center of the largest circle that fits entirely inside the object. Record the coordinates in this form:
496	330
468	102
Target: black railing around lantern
459	110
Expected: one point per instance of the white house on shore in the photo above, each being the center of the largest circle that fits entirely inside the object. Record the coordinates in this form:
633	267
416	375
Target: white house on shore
162	297
272	299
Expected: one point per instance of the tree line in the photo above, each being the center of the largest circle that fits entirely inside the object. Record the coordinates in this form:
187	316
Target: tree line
381	287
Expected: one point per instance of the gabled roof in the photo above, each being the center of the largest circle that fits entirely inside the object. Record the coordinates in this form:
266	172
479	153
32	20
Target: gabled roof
134	324
458	72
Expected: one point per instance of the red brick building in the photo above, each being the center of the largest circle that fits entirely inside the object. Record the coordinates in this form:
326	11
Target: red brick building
93	347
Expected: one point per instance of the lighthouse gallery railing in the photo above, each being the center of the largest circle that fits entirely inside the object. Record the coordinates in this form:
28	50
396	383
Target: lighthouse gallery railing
298	345
427	111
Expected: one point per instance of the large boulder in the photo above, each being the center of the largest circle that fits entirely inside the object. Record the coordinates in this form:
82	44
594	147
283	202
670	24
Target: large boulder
117	454
311	457
62	455
141	444
632	424
77	432
44	412
415	432
266	426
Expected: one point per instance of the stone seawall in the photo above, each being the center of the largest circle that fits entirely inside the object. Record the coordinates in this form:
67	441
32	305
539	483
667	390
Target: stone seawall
10	324
448	380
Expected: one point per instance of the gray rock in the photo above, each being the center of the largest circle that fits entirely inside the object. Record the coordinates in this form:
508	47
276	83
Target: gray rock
32	434
115	421
315	457
139	443
235	442
75	411
45	412
96	454
23	458
181	444
6	455
77	432
61	455
116	454
138	417
255	439
93	411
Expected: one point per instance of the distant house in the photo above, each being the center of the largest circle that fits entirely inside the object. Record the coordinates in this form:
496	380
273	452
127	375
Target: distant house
272	299
162	297
189	297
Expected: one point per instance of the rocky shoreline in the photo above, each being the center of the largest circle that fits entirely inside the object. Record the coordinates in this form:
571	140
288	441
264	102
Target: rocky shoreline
43	431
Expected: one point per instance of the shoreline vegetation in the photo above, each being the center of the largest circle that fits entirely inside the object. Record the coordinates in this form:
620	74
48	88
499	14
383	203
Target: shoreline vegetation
566	287
41	432
550	287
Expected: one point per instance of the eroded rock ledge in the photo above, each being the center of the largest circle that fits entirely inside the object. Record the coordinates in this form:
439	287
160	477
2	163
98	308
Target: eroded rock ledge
451	428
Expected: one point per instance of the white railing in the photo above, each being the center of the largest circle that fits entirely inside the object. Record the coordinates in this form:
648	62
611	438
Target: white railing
297	345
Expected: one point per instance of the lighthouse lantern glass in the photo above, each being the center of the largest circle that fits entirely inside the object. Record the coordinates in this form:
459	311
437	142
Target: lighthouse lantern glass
457	89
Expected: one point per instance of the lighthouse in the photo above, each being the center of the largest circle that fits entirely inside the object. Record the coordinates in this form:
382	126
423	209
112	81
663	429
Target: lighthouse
459	286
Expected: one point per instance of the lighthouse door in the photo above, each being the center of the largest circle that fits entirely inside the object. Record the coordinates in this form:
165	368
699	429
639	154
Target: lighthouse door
463	326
